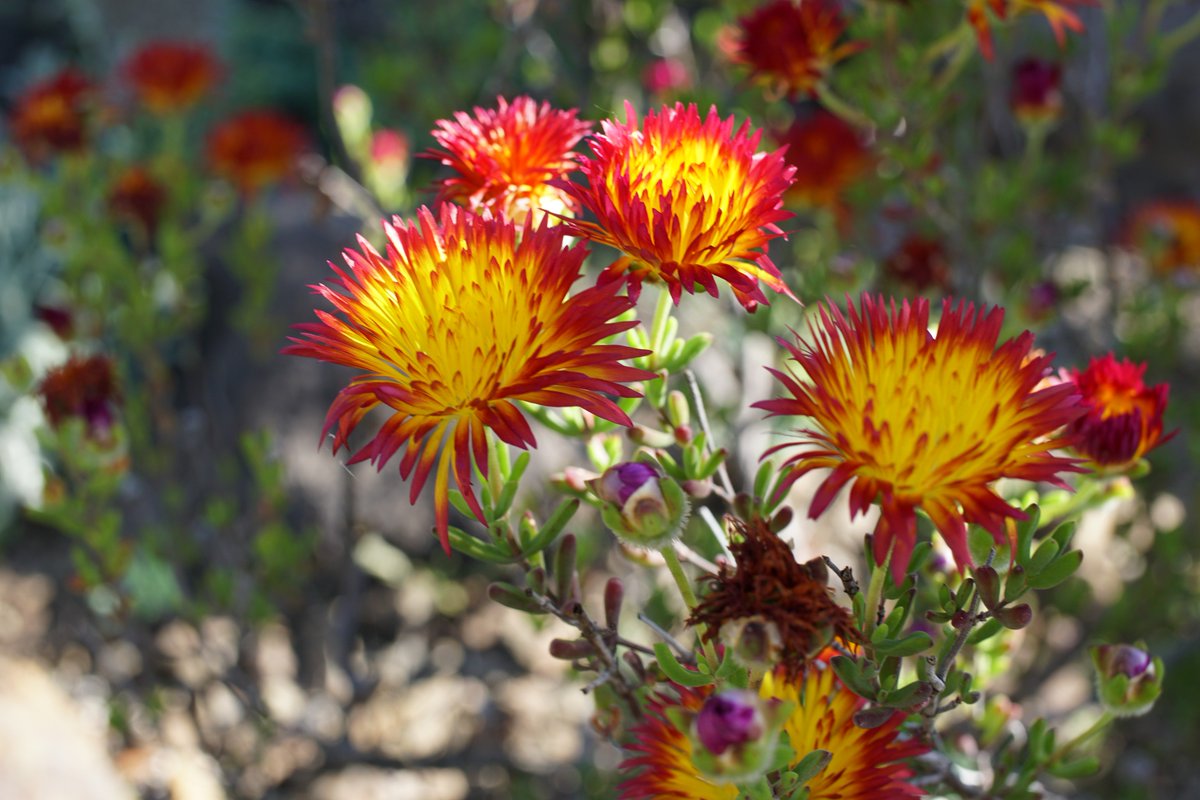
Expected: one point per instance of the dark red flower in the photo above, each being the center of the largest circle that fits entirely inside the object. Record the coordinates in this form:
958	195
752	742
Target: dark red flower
50	117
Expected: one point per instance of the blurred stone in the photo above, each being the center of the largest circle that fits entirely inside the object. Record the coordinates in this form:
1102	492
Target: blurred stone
24	610
546	721
433	717
48	749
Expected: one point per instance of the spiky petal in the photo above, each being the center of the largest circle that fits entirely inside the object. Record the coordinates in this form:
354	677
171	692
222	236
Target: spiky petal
911	420
1124	418
687	201
1057	12
460	318
867	764
507	159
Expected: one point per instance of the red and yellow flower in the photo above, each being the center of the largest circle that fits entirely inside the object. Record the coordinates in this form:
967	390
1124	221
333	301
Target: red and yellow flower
51	116
1124	418
867	763
829	156
1057	12
687	201
455	323
255	148
915	420
1167	233
509	159
169	77
790	46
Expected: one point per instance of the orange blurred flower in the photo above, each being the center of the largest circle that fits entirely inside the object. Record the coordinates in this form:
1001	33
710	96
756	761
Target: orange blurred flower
1167	234
790	46
829	156
1057	12
50	116
458	321
169	77
138	197
867	764
83	388
254	148
914	420
687	201
1124	418
508	159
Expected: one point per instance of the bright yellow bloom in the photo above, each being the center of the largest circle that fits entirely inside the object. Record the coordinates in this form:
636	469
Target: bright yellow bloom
508	160
922	421
687	201
459	319
867	763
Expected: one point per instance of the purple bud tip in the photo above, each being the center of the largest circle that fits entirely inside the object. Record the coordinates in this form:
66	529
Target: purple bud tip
631	477
1126	660
728	719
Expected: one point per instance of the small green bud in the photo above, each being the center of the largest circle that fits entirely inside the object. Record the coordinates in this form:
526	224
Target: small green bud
641	506
1128	679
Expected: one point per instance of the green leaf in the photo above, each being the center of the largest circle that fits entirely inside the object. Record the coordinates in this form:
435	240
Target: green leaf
910	645
1042	557
468	545
548	532
676	671
1057	571
851	674
985	631
811	765
1080	768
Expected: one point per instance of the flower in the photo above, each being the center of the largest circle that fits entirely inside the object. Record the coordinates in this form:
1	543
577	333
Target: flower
666	75
867	764
640	505
170	77
138	197
450	327
1124	418
729	719
509	158
254	148
782	609
828	154
1128	679
1057	13
1036	93
913	420
82	388
687	201
920	263
1167	233
790	46
50	116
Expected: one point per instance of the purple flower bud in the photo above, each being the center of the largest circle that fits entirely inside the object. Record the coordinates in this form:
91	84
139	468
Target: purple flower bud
628	478
1125	660
1128	679
728	719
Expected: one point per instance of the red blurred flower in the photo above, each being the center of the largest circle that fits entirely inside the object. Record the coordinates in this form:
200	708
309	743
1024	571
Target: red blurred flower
138	198
172	76
914	420
1057	12
920	263
84	388
50	116
868	763
1167	233
1124	418
828	154
1036	96
666	75
254	148
687	201
454	325
509	159
790	46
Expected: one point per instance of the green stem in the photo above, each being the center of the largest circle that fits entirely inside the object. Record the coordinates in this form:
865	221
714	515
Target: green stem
842	109
658	325
1180	36
1096	727
689	598
875	594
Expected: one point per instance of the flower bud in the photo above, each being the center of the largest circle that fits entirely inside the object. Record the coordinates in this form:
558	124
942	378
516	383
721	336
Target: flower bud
755	641
735	735
1036	97
641	506
1128	679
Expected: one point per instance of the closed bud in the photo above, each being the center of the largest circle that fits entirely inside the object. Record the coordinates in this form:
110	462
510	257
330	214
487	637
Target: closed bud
783	518
678	410
735	735
755	641
651	437
614	595
960	619
988	581
1128	679
641	506
571	650
699	489
683	434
